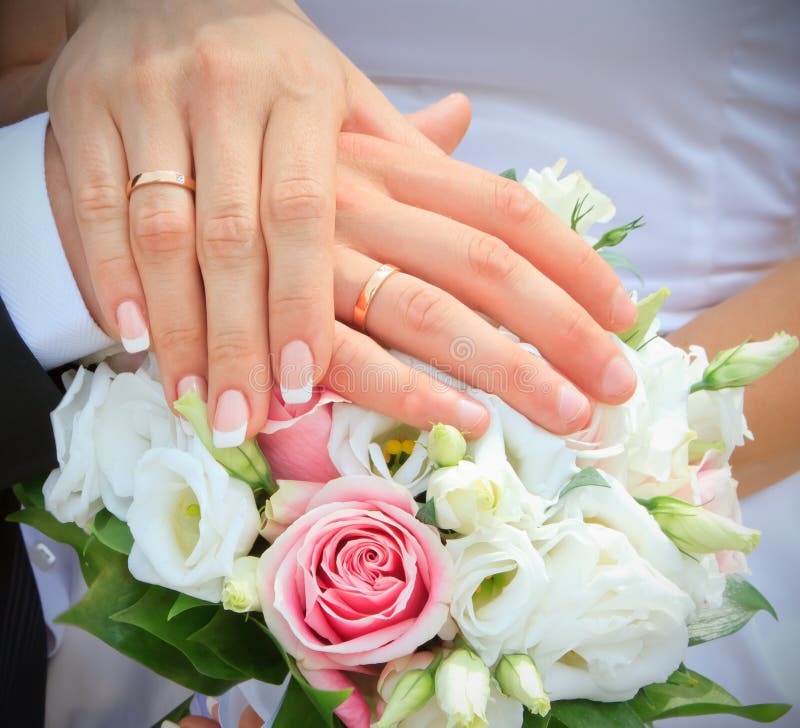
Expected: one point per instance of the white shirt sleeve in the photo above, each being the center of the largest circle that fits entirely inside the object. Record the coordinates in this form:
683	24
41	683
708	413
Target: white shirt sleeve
36	283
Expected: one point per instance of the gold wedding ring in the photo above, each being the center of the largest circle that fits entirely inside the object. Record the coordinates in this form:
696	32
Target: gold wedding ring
160	177
375	281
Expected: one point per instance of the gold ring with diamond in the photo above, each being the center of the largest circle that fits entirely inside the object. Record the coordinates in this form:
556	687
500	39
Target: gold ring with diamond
160	177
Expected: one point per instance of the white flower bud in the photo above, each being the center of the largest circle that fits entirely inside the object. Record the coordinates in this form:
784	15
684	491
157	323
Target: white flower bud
518	678
446	445
463	683
744	364
465	497
697	530
239	590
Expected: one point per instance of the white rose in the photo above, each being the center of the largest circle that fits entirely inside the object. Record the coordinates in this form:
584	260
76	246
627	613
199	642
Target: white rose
716	416
614	508
356	445
561	195
608	622
498	573
104	424
468	496
190	521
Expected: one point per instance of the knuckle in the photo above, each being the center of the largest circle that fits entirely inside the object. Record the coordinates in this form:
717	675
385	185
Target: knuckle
491	258
230	234
422	311
215	61
148	79
161	230
230	349
99	202
299	198
585	258
577	325
296	303
303	76
179	339
109	270
513	201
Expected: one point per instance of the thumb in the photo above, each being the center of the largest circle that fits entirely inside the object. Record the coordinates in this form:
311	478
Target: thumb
444	122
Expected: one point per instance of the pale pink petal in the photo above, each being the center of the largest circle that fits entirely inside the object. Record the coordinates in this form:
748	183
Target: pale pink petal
353	712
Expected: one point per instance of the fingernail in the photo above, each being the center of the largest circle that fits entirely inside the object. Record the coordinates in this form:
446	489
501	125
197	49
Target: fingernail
297	373
230	419
169	724
132	327
572	405
211	704
623	309
618	378
470	415
192	383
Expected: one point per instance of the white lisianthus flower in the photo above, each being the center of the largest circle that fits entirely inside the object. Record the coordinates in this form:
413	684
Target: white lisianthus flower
716	416
190	521
497	572
104	424
239	590
356	444
608	622
468	497
644	441
614	508
519	678
561	195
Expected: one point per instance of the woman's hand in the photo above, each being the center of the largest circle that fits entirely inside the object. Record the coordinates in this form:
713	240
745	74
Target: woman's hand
252	97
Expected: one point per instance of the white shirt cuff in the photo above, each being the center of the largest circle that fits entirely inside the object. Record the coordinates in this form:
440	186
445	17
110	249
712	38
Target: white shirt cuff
36	283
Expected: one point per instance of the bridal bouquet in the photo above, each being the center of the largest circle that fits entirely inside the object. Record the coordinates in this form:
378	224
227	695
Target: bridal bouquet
408	578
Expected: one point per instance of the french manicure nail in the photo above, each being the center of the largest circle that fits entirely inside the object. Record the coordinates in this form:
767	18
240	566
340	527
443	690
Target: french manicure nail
230	419
618	378
192	383
132	327
572	405
297	373
470	415
623	309
211	703
169	724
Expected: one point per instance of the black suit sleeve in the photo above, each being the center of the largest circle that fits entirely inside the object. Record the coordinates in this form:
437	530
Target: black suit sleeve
27	396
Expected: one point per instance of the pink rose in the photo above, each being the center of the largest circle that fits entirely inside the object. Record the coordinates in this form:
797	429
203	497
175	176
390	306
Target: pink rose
357	580
295	438
353	712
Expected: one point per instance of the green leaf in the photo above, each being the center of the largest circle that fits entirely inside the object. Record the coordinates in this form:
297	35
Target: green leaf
618	260
324	701
510	174
427	513
238	640
530	720
29	493
648	309
150	614
297	710
589	714
687	693
587	476
180	711
740	603
112	532
115	590
185	602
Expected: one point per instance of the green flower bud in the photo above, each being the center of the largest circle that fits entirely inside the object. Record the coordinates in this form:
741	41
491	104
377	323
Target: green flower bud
239	590
462	689
518	678
413	690
245	462
446	445
696	530
647	310
744	364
